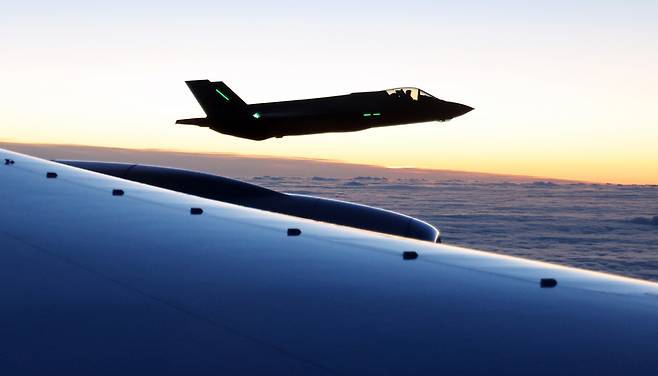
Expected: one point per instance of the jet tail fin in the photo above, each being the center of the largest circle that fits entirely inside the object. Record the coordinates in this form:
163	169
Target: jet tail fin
216	99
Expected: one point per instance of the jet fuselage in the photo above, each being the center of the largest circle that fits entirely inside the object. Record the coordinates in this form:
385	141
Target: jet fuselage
343	113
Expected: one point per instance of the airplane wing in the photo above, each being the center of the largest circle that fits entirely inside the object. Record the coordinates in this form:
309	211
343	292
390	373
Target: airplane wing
100	275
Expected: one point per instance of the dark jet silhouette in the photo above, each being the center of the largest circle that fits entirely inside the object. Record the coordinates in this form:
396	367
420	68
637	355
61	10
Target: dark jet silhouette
227	113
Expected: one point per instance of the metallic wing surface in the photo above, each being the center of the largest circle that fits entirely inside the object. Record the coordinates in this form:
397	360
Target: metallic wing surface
101	275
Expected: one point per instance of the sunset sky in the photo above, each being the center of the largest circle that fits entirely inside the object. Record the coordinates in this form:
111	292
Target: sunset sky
562	89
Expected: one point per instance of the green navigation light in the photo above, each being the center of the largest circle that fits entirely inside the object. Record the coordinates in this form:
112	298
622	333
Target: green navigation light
256	115
367	114
222	94
376	114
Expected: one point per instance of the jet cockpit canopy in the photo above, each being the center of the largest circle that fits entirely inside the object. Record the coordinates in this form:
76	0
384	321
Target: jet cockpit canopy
408	92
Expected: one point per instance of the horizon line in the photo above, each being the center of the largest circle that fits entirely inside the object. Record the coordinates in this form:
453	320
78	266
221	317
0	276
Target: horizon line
320	160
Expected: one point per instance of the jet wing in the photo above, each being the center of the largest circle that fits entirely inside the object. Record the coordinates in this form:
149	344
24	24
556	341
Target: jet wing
101	275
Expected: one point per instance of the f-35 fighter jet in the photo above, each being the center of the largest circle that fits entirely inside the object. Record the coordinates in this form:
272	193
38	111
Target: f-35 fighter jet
227	113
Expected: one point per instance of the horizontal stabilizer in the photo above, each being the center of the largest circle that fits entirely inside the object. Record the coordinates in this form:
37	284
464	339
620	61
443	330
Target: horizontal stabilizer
201	122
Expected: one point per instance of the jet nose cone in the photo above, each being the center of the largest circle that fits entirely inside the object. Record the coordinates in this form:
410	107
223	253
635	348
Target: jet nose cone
466	109
460	109
449	110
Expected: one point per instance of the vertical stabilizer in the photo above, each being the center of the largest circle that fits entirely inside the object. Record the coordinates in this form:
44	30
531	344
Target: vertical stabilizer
216	99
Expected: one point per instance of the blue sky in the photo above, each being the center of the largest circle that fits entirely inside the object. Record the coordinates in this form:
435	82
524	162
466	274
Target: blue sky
561	89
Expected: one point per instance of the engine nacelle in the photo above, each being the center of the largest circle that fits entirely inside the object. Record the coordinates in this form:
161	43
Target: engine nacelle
250	195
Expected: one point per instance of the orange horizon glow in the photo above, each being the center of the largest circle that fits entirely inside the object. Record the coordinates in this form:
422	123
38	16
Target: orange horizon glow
513	170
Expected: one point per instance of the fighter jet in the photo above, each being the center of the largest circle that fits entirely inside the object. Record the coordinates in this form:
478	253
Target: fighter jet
228	114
